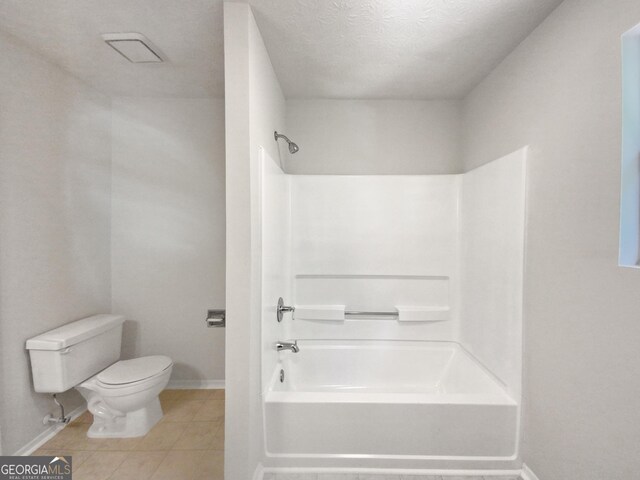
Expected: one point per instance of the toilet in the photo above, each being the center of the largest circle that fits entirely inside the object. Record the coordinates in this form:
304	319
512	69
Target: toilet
122	395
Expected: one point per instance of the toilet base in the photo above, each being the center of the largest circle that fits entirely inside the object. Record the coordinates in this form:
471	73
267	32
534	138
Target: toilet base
133	424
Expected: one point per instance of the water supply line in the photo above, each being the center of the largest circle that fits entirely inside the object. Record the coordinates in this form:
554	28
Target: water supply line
61	419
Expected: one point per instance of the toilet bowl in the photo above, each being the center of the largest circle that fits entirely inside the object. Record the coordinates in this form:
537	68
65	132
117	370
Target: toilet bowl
122	395
123	398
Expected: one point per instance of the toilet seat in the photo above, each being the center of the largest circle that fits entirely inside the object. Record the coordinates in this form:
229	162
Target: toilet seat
131	372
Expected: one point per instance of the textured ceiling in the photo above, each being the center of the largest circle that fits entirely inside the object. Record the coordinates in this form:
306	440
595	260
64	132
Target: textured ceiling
319	48
392	48
68	32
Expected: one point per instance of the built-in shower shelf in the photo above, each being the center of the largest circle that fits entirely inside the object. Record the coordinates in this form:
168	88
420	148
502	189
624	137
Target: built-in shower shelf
337	313
422	314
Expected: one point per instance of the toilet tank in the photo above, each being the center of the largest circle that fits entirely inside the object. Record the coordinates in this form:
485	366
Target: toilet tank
66	356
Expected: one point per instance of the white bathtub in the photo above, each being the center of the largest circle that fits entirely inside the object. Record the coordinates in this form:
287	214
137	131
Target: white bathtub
384	399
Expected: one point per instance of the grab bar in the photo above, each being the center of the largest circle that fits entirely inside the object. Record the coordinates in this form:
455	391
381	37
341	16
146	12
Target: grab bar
359	313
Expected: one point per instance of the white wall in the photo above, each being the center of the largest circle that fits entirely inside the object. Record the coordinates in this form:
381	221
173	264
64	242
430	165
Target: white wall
168	231
239	357
374	243
491	236
560	93
254	108
374	136
54	221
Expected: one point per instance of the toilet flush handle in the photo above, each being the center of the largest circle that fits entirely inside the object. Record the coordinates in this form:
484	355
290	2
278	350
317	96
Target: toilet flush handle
64	351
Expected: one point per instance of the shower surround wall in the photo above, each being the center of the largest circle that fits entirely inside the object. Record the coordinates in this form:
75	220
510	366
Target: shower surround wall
275	208
374	243
491	264
451	246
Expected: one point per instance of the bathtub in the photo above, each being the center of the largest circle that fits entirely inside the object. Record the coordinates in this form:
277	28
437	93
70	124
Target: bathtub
387	399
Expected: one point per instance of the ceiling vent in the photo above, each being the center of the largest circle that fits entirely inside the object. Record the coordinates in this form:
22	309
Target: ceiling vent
134	47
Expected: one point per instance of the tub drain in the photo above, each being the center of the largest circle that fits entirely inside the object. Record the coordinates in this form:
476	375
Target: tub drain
281	375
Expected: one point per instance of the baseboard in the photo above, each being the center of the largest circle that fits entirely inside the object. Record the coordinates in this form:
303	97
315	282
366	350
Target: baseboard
195	384
48	434
527	473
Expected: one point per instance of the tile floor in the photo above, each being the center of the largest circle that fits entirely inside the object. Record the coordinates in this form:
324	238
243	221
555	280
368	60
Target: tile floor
187	444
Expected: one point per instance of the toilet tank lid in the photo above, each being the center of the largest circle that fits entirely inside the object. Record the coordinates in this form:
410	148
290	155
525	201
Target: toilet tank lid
74	332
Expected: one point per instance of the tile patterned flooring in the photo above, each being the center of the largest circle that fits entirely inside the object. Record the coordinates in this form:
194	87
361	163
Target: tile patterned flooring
187	444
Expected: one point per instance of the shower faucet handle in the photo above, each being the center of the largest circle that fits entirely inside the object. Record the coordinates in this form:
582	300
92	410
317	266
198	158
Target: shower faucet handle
293	346
282	309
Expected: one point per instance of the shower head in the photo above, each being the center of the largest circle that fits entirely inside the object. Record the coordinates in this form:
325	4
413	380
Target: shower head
293	148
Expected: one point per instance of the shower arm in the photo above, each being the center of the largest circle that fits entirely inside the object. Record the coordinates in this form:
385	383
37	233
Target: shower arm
277	135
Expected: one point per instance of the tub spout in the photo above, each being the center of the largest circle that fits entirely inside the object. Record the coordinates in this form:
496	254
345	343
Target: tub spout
288	346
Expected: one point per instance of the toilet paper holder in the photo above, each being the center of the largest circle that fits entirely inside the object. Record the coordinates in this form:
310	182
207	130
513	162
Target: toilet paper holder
216	318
